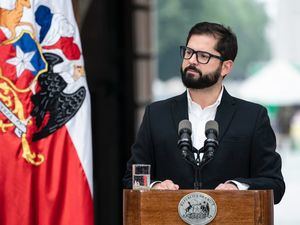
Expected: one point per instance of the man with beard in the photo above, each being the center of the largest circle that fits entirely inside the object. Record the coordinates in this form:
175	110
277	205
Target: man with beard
246	156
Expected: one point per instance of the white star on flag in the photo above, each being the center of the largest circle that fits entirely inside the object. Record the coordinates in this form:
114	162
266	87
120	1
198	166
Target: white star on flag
22	61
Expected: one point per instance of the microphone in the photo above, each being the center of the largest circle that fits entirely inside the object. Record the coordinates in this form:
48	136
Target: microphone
211	143
184	132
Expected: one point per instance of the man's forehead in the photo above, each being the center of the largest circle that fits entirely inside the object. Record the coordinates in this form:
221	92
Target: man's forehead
202	42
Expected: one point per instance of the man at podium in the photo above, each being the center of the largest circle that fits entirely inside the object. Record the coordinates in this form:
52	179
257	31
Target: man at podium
245	158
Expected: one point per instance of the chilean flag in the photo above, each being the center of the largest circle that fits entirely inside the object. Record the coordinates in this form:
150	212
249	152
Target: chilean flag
45	125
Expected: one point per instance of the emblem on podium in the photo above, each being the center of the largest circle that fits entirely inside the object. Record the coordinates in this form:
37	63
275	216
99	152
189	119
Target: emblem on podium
197	208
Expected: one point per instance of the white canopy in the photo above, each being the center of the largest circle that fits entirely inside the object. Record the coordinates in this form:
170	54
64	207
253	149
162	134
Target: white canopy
278	83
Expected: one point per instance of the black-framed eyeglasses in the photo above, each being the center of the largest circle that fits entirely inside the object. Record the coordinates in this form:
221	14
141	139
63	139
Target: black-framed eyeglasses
201	56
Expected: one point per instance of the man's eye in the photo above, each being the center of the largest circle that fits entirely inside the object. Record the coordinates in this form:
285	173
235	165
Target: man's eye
188	52
203	55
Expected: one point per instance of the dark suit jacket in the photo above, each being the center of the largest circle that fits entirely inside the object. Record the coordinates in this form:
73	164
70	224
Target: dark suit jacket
246	151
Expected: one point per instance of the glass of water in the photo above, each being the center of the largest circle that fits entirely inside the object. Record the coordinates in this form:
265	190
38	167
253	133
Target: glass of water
141	176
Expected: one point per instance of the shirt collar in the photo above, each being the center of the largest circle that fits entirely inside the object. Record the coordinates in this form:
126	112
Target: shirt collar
214	105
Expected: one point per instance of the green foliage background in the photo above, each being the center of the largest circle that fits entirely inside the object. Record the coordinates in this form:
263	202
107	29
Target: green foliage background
247	18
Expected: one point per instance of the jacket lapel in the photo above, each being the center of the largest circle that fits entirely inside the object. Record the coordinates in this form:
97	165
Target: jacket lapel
179	109
225	113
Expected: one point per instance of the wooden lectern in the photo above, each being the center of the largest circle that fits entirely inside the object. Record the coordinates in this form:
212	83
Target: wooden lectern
157	207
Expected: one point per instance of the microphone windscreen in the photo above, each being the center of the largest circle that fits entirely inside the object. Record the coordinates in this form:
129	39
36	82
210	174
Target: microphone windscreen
184	125
212	125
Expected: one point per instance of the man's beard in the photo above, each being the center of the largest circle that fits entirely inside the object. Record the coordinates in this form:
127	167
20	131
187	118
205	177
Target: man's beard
203	81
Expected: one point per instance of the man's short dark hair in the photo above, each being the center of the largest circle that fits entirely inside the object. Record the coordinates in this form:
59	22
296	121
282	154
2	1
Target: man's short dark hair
227	42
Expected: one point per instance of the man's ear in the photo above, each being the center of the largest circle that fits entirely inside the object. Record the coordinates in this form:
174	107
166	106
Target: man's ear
226	67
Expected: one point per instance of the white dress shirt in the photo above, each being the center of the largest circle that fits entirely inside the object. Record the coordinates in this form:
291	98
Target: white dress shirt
198	117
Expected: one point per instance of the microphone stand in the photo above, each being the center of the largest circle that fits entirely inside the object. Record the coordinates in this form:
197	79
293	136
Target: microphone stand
198	167
188	152
197	164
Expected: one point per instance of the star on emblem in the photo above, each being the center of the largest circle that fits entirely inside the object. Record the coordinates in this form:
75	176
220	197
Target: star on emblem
22	61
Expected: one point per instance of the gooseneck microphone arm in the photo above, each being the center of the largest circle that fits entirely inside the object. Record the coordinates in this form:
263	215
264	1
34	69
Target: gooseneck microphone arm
210	145
187	150
184	142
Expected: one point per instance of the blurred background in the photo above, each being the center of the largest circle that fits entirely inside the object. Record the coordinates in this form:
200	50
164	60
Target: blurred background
131	50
